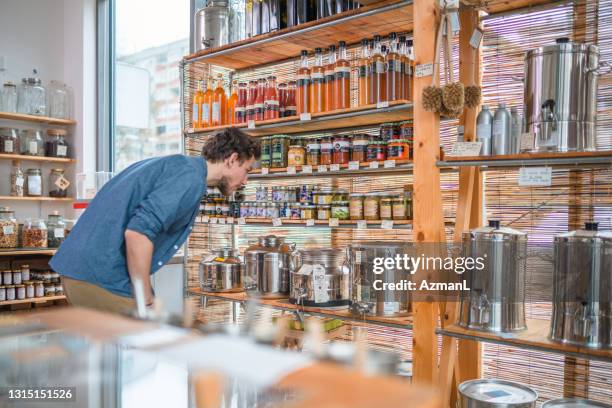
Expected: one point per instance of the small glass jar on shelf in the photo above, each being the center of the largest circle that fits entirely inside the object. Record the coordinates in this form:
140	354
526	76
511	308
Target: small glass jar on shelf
59	100
34	183
56	145
9	141
56	230
34	234
32	143
9	228
58	184
17	180
8	99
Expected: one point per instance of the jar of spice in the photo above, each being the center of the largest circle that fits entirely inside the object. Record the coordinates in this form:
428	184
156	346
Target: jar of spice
327	150
342	150
398	149
340	210
401	207
359	147
324	196
371	206
261	193
10	292
57	229
17	277
17	181
386	207
49	289
377	151
389	131
29	286
323	212
296	155
280	148
356	206
9	228
9	141
313	152
340	195
25	273
34	234
7	277
266	152
32	143
2	293
56	145
305	194
34	183
307	212
20	291
59	289
58	185
261	210
39	289
407	133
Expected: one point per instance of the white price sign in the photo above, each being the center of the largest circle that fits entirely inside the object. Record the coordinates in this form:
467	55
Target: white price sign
212	220
307	169
387	224
205	219
265	170
476	38
423	70
305	116
334	222
221	220
353	165
310	223
322	168
362	224
291	170
466	149
389	164
241	221
251	124
277	222
383	104
374	165
334	167
229	220
535	176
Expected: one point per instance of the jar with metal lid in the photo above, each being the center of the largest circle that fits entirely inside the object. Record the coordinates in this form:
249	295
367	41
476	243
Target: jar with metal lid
371	206
296	155
494	393
59	289
17	181
7	277
307	212
389	131
57	229
20	291
9	228
266	152
34	182
356	206
305	194
276	193
8	99
340	210
209	209
17	277
261	193
340	195
280	148
39	289
225	208
386	206
377	151
294	211
402	207
398	149
56	145
10	292
359	147
407	134
32	143
58	185
274	211
292	194
323	212
260	210
49	289
313	152
324	196
32	96
2	293
47	276
34	234
327	150
9	141
342	149
25	272
29	286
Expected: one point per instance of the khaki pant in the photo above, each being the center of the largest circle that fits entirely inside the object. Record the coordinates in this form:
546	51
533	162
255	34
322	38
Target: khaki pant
85	294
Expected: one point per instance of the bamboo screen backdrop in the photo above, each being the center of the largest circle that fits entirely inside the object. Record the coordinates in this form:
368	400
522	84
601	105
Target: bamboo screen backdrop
576	196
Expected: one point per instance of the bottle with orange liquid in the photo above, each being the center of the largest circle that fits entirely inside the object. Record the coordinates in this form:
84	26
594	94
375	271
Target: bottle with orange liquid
232	104
219	104
364	73
394	74
260	99
196	106
379	72
317	83
403	66
207	105
342	81
302	92
271	102
329	78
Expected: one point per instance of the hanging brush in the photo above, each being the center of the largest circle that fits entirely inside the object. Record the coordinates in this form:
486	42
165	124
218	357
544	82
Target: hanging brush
453	96
432	94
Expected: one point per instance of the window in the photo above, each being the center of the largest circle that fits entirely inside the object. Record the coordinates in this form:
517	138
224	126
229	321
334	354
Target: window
146	40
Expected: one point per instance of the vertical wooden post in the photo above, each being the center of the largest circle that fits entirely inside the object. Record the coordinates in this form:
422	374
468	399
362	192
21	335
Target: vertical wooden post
428	216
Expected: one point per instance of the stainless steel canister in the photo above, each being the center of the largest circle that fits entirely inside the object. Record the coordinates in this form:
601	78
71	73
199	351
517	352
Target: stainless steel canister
268	263
496	299
495	393
574	403
560	96
221	271
212	25
582	288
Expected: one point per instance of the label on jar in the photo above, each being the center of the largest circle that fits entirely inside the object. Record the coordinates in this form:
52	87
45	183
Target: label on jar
399	210
362	142
378	67
58	232
364	71
334	167
62	183
34	185
19	181
33	147
342	72
320	284
8	146
392	65
498	128
370	209
317	76
62	151
342	146
385	211
8	230
327	147
313	147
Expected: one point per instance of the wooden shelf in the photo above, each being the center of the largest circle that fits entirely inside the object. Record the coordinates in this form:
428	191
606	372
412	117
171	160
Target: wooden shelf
27	251
327	121
403	322
33	300
23	157
37	119
11	198
535	337
397	224
577	159
402	166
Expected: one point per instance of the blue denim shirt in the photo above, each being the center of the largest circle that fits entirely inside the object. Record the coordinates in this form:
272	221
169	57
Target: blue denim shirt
157	197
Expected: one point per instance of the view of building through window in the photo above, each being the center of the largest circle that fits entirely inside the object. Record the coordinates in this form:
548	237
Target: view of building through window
151	38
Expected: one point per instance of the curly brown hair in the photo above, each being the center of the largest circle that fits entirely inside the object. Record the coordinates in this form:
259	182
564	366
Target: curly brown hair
231	140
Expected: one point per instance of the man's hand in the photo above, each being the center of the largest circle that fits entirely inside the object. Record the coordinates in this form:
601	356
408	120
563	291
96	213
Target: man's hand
139	253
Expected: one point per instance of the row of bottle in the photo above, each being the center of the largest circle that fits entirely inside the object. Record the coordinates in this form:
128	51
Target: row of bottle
499	133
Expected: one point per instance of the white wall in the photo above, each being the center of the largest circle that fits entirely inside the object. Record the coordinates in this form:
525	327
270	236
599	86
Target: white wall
58	38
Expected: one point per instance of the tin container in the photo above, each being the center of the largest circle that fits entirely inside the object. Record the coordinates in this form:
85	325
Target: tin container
495	393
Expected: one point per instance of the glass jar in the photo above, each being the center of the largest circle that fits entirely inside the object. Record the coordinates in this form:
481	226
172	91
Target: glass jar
56	145
8	99
359	147
389	131
407	133
59	100
32	143
296	156
33	182
305	194
31	97
327	150
20	291
9	228
58	185
17	277
276	193
294	211
340	210
34	234
386	207
308	212
7	277
272	210
377	151
324	196
313	152
371	206
280	148
356	206
401	205
49	289
59	289
2	293
261	193
25	273
266	152
9	141
17	181
225	208
57	230
260	210
342	150
30	292
398	149
10	292
39	289
209	208
340	195
323	212
292	194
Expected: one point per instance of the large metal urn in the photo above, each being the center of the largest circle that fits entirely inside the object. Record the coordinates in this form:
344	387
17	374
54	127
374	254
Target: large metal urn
268	263
582	288
496	299
211	25
221	271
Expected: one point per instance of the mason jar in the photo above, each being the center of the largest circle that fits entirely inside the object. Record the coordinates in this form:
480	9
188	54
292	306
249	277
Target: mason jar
9	141
58	185
34	182
56	230
32	143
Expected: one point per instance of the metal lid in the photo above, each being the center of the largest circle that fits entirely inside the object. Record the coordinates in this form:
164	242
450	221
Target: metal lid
323	256
498	392
562	46
496	232
271	241
590	232
573	403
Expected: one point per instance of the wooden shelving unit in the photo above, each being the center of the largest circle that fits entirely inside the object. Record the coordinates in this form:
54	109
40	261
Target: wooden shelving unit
58	199
397	224
23	157
37	119
27	251
32	300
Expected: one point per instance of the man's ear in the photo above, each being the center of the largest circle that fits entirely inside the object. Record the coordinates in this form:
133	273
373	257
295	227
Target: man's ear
232	159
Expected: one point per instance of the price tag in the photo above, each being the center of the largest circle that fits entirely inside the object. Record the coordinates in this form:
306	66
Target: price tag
291	170
527	142
386	224
221	220
466	149
251	124
212	220
205	219
535	176
277	222
334	222
389	164
423	70
310	223
334	167
19	181
62	183
241	221
476	38
306	169
58	232
322	168
374	165
305	116
362	224
8	230
229	220
265	170
353	165
383	104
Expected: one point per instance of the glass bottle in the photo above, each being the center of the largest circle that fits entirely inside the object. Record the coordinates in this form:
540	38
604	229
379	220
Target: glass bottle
9	141
34	183
219	104
260	99
342	81
317	78
403	64
17	180
232	102
252	96
207	105
379	75
196	107
329	78
394	75
271	104
364	73
282	99
57	184
8	102
290	104
56	145
56	230
32	143
241	105
302	94
410	69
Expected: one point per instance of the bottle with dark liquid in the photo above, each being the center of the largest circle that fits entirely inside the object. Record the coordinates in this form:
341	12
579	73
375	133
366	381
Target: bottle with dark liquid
252	97
329	78
379	72
241	104
219	105
271	103
371	48
303	85
364	73
410	69
342	81
317	78
290	105
232	102
403	66
260	99
394	75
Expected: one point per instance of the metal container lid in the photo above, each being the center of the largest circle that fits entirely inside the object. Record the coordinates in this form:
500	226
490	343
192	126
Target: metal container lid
323	256
270	241
562	46
574	403
495	232
590	232
495	392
